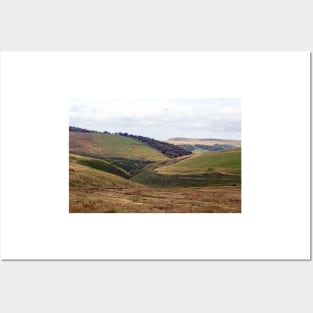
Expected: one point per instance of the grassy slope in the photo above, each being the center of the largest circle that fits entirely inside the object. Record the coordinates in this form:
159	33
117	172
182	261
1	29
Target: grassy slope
224	162
101	165
112	146
92	190
85	178
221	168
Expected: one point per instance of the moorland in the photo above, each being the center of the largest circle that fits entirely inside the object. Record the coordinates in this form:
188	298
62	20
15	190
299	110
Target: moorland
120	172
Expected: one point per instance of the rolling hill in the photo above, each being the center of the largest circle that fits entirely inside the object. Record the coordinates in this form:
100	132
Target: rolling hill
108	145
94	190
99	164
117	173
223	162
221	168
83	175
201	145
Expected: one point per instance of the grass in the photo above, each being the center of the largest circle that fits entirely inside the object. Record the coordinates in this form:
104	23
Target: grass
150	178
105	166
130	166
112	146
85	178
95	191
101	165
224	162
117	175
221	168
158	200
133	167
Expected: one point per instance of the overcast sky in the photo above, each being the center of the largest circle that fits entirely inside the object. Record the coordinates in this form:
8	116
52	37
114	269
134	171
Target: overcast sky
160	119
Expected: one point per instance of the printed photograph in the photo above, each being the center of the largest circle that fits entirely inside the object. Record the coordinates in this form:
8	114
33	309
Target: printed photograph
155	156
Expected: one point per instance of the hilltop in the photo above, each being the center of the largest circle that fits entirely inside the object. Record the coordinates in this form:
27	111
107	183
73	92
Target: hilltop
207	141
105	144
134	146
195	145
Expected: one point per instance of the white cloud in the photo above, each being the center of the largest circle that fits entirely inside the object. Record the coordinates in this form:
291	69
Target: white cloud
161	119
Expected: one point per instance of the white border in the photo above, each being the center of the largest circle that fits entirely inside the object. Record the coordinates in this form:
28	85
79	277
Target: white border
275	93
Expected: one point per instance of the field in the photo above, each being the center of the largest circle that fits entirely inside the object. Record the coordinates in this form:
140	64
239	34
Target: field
209	142
96	191
156	200
115	174
98	144
224	162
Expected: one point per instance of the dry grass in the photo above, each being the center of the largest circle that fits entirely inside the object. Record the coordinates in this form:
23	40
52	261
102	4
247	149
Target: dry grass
95	191
150	200
112	145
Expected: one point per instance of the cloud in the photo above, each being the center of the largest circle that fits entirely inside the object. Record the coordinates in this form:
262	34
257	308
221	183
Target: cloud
160	119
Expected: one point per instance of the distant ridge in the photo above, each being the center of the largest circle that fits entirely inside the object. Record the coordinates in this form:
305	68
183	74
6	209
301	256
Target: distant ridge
201	139
210	142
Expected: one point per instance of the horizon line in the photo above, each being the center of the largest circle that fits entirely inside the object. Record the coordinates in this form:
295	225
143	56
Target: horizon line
170	138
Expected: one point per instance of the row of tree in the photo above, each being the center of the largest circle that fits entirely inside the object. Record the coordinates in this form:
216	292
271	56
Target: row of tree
84	130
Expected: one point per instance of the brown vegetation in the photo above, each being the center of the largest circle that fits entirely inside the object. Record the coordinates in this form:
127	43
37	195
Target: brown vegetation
152	200
118	174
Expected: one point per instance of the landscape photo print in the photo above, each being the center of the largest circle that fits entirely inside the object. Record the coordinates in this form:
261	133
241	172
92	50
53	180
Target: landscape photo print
159	133
155	155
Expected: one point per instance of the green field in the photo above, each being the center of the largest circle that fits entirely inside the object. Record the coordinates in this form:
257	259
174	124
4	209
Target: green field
223	162
99	144
222	168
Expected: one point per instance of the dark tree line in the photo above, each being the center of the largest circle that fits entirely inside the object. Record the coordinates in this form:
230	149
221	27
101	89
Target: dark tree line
170	150
84	130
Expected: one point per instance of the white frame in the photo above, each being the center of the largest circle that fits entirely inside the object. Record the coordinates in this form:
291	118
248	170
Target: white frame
275	91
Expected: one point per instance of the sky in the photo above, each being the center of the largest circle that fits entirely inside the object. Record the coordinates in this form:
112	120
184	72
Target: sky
160	119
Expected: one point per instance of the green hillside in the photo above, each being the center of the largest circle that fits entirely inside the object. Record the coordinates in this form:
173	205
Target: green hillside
97	164
107	145
221	168
82	177
223	162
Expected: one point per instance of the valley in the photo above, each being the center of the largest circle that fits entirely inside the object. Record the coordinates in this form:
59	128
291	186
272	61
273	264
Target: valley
113	173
